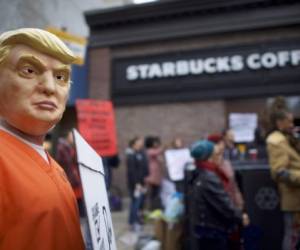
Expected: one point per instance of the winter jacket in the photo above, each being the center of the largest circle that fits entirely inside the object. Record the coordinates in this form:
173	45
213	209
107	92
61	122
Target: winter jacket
137	168
211	206
285	170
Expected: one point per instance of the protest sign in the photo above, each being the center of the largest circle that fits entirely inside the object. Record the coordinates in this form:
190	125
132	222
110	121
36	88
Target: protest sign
96	123
176	160
95	195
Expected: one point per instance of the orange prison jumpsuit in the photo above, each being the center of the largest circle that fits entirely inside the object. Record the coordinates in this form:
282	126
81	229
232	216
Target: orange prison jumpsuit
38	209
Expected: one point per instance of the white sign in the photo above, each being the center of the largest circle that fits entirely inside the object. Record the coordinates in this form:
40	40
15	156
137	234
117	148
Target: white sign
95	195
213	65
243	126
176	159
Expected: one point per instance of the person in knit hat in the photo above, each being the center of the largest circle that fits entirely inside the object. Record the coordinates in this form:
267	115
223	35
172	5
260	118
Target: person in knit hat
212	210
202	150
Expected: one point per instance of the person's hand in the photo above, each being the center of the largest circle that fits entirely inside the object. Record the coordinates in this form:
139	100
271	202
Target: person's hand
138	187
245	220
138	190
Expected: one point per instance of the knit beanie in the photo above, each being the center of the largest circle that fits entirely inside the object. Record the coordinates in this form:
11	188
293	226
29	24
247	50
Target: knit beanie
202	150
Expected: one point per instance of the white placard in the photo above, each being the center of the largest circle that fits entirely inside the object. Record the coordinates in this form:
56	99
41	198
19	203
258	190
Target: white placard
243	126
95	195
176	159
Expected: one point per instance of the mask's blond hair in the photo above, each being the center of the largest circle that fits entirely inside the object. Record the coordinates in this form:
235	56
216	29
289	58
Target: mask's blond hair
37	39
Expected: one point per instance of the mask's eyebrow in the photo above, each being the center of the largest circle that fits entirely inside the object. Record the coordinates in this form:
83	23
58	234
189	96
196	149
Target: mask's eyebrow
65	68
33	61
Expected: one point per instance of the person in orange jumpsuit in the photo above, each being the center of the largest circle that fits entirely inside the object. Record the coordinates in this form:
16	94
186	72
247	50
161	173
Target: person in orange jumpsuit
37	205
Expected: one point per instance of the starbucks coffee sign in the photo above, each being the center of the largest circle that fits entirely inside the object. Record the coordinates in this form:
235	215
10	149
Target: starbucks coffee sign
213	65
264	69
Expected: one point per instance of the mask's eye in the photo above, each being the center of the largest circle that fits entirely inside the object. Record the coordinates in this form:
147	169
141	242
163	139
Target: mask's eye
62	78
28	71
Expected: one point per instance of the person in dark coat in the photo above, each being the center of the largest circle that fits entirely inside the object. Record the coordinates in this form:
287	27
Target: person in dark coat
213	212
137	170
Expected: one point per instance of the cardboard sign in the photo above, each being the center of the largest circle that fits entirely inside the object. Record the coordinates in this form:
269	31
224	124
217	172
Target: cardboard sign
97	125
176	160
95	195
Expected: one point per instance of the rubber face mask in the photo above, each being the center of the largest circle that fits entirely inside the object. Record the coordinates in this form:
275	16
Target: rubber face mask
34	89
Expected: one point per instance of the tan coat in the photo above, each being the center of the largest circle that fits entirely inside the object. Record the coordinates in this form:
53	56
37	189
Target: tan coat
283	157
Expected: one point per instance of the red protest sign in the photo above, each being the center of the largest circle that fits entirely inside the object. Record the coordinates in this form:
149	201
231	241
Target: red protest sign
96	124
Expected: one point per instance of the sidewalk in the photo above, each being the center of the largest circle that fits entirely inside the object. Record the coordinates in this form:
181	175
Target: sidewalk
125	239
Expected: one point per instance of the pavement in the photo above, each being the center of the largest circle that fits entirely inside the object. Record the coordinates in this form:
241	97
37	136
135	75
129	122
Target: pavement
126	239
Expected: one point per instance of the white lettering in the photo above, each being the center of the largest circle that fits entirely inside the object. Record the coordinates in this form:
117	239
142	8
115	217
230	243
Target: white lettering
196	66
253	61
182	68
168	69
131	73
223	64
283	58
143	68
269	60
210	65
295	54
155	71
236	63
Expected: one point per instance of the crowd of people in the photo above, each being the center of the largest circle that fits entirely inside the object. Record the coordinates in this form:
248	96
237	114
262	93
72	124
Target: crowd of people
217	203
217	211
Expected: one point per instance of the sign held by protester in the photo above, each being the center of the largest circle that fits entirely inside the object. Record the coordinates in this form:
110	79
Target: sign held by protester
97	125
176	160
95	195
